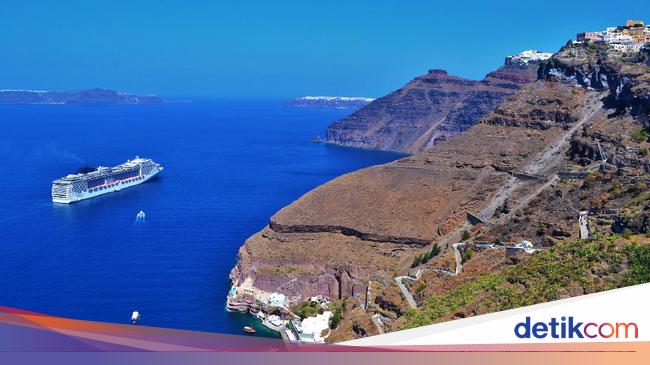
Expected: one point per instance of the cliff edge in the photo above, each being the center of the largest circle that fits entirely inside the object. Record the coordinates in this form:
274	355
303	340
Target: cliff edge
432	107
574	140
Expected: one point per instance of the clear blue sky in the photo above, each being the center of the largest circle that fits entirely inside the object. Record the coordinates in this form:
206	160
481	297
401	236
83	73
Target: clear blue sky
278	48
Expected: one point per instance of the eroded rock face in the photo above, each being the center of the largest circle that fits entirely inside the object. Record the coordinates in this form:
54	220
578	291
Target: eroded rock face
428	110
598	67
513	165
302	265
537	107
355	228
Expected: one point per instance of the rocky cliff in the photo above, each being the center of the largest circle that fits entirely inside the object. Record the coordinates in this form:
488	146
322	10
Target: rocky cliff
430	108
601	68
575	139
82	97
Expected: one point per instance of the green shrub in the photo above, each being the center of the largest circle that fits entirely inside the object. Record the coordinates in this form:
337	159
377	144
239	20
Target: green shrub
639	264
467	255
336	317
425	257
416	261
465	235
640	135
435	250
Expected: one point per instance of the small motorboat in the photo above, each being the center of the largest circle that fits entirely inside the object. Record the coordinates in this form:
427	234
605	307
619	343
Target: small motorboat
249	329
135	317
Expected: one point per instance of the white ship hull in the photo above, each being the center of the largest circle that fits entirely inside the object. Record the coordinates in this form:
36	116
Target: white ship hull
109	189
67	195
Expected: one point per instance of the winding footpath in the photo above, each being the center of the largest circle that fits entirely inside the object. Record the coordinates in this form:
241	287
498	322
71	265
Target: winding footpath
458	257
376	319
546	161
405	291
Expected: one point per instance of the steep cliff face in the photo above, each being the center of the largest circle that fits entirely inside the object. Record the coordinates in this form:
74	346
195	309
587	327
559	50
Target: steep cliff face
373	222
601	68
428	109
524	168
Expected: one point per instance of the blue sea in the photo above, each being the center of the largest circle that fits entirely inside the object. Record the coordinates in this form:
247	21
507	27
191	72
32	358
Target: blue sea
229	165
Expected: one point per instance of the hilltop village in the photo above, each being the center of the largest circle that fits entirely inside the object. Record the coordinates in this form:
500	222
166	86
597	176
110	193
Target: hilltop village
628	38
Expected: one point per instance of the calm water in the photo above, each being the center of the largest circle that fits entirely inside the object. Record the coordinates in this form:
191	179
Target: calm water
228	167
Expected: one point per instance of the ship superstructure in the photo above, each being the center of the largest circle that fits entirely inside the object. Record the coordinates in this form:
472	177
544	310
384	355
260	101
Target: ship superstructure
103	180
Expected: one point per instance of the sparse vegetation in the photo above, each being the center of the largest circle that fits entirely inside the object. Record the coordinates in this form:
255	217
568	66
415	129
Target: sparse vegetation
615	188
307	309
286	270
643	152
337	316
627	234
583	267
435	250
425	257
637	188
639	261
465	235
640	135
466	255
420	288
416	261
590	180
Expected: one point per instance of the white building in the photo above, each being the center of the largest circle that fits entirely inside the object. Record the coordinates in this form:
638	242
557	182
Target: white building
528	56
311	329
273	299
621	39
627	47
618	38
526	245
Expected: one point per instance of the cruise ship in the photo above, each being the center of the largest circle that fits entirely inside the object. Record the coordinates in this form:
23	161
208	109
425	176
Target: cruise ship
103	180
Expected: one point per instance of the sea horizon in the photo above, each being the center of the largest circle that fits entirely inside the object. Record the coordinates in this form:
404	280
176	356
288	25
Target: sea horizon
229	166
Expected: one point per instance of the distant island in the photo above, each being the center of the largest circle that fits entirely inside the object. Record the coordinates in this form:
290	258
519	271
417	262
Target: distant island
330	102
95	96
